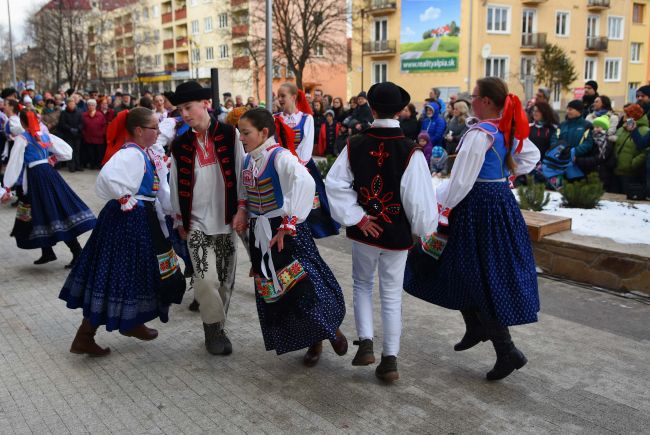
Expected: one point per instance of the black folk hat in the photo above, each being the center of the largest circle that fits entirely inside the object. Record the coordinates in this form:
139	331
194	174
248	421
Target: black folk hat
387	97
190	91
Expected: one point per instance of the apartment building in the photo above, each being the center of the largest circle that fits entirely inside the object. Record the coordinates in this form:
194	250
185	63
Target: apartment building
449	44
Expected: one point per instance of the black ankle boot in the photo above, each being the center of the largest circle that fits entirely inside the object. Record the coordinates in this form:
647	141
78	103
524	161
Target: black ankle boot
509	358
474	332
75	248
47	255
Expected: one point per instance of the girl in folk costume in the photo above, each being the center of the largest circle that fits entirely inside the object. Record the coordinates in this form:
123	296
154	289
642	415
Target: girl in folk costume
48	210
480	260
128	273
299	301
297	114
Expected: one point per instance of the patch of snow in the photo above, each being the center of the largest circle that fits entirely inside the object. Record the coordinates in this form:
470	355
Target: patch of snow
620	221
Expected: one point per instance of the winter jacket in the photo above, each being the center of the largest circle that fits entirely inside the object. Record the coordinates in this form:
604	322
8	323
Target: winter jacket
457	130
69	127
643	143
319	120
576	133
94	128
410	127
601	158
630	161
541	135
322	148
613	122
363	115
434	126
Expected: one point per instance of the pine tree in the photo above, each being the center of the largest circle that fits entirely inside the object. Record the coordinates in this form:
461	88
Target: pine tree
532	196
585	193
555	67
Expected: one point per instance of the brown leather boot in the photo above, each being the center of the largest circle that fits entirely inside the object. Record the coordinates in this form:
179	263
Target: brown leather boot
84	341
313	354
141	332
340	343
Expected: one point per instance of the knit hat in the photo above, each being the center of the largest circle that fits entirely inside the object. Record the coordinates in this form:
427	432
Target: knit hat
330	112
602	122
634	111
27	99
437	152
593	84
38	98
645	90
577	105
362	94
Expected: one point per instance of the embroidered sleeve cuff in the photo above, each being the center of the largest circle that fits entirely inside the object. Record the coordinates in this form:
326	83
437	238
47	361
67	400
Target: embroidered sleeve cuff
443	215
363	221
289	224
127	202
242	204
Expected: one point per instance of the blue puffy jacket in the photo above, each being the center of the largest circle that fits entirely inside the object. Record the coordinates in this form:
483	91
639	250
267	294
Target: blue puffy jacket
434	126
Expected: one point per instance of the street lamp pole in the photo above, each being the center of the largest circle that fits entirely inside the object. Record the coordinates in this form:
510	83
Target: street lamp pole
11	47
269	55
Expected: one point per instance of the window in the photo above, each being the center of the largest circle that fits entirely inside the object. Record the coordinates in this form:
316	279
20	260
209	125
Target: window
290	74
635	52
224	51
590	68
637	13
147	37
529	21
527	67
562	20
612	69
277	71
195	27
147	61
379	72
157	60
498	19
196	55
155	11
156	35
496	67
207	24
615	28
223	21
145	13
319	50
380	30
631	90
209	53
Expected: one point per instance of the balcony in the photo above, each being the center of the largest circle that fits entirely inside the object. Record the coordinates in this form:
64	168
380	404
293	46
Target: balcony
181	42
118	31
129	51
379	48
597	5
238	6
182	67
128	28
533	41
596	45
240	31
381	7
532	2
166	18
180	14
241	62
168	44
170	67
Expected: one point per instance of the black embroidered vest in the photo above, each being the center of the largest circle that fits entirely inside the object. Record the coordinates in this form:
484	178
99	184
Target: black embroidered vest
184	152
378	158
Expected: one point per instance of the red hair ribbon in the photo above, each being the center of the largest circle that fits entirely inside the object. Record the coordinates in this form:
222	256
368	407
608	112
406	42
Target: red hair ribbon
514	122
115	135
302	104
285	135
34	129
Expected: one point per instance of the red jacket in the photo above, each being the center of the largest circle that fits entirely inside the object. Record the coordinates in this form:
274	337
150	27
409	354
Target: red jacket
322	139
94	128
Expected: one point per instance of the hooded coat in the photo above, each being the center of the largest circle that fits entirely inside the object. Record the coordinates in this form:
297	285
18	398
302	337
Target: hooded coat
434	126
630	161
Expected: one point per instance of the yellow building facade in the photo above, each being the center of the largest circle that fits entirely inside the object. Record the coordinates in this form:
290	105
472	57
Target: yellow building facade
607	41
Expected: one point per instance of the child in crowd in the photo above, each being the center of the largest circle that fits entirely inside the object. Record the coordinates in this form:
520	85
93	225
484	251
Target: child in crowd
438	162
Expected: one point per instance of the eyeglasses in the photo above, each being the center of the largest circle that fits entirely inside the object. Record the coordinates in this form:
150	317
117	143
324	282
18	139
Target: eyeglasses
152	128
475	96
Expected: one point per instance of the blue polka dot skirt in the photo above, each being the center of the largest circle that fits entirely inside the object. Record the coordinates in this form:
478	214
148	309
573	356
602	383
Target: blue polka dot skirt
57	213
116	279
487	264
313	309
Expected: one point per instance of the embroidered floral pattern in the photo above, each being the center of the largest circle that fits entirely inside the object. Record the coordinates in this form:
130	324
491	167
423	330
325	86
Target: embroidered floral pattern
24	212
378	204
167	264
288	277
380	154
289	224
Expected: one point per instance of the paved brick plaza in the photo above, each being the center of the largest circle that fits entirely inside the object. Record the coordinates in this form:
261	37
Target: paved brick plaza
588	369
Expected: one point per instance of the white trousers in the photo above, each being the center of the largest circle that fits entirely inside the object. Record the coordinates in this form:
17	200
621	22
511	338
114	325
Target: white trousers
365	261
214	259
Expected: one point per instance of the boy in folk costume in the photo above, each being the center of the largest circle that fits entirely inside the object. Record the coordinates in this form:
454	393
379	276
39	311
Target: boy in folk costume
380	189
206	195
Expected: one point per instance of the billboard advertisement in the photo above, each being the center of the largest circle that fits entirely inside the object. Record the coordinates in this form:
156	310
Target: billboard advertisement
430	35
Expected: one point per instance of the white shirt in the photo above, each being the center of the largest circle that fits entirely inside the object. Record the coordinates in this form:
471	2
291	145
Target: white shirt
58	147
298	186
469	161
208	201
416	191
306	145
